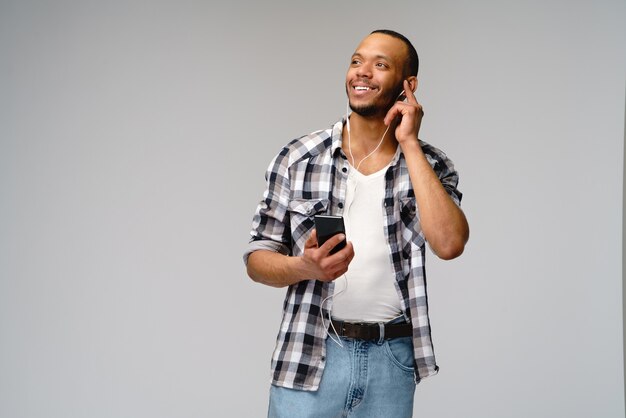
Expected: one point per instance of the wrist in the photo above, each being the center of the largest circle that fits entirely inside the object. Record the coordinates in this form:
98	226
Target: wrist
300	268
410	144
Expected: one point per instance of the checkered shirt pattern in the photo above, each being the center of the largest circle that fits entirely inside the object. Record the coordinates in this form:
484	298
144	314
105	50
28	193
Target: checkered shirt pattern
308	177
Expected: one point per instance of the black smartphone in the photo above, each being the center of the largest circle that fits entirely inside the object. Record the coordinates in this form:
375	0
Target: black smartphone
328	226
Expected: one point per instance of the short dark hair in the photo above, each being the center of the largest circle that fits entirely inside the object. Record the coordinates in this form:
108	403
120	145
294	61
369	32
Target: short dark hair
413	62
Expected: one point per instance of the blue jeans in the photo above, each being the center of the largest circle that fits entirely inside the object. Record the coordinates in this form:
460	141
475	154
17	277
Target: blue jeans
361	379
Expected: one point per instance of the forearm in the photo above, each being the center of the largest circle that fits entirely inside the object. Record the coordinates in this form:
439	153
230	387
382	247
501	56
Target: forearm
276	269
442	221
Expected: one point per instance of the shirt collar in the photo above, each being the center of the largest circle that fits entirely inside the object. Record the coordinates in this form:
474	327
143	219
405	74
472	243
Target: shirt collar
337	136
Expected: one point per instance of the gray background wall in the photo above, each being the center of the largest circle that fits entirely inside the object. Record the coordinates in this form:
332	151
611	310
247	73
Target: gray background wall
133	141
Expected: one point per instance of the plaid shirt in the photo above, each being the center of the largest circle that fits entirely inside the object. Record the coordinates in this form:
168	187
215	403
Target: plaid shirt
306	178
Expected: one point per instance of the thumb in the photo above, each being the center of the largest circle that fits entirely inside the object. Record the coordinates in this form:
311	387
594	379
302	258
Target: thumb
312	240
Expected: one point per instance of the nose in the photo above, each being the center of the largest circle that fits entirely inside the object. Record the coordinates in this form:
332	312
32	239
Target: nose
364	70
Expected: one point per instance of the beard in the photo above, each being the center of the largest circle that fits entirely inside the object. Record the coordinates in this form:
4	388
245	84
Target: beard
379	107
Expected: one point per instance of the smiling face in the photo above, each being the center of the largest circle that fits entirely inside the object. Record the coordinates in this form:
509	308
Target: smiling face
375	76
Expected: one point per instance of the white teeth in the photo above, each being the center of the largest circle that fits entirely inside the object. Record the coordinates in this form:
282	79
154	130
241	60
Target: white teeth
361	88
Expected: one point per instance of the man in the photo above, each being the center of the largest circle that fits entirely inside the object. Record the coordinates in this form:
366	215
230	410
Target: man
395	193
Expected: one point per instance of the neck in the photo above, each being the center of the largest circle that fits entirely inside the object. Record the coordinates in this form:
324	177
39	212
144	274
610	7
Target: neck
366	133
375	140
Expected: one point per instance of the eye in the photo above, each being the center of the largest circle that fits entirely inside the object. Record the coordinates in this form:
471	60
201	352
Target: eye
355	62
381	65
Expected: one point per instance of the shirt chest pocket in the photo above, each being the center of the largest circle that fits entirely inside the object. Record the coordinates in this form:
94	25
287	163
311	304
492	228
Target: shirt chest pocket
301	214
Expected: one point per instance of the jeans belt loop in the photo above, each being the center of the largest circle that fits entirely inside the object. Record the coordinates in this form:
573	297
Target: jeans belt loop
381	327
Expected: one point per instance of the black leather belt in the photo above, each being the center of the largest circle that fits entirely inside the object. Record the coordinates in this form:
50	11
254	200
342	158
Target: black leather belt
370	331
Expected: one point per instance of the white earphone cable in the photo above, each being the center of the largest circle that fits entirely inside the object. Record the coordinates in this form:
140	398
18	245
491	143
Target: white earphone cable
330	321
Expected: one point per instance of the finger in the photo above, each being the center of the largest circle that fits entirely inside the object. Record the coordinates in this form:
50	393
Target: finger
350	255
338	271
342	257
398	110
343	267
350	249
332	272
332	243
410	97
392	113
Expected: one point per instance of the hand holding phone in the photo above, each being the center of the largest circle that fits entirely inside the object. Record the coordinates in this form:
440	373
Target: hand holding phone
328	226
322	260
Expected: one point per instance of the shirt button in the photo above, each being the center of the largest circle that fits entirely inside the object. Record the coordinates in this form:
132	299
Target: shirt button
340	205
344	170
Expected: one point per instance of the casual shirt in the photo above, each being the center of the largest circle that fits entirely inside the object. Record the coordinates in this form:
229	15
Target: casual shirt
308	177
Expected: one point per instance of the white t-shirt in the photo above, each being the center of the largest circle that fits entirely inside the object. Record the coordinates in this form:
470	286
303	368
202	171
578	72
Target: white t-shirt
370	294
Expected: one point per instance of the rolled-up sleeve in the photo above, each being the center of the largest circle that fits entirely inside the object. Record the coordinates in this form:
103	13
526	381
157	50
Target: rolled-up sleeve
444	168
450	181
270	225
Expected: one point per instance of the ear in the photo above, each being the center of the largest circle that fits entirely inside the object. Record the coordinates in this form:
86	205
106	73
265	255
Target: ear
412	82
